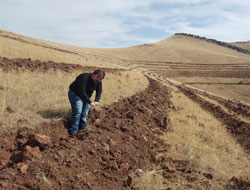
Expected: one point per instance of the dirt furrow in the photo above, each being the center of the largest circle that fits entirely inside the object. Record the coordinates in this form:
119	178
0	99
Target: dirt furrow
238	128
28	64
234	106
122	138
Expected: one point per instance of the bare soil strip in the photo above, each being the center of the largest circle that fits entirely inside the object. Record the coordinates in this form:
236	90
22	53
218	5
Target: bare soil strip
28	64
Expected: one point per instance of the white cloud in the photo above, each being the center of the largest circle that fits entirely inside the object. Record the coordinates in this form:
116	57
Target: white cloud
120	23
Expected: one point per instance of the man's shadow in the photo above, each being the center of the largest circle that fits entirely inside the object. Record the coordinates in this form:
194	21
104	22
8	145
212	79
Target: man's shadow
57	114
66	117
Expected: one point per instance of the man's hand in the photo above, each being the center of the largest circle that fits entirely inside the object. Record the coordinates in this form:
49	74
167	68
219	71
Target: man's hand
97	103
94	104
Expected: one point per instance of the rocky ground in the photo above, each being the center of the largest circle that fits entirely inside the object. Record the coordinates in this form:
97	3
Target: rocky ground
121	140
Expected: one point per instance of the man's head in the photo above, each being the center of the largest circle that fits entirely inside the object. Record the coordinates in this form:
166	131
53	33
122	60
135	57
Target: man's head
98	75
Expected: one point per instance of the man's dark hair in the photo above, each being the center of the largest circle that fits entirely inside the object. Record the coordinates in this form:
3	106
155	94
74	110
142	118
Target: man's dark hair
99	72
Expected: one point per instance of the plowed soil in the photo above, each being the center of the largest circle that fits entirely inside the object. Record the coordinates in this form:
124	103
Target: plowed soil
36	65
120	139
238	128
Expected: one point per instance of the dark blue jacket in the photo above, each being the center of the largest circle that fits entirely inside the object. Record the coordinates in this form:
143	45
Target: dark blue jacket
84	86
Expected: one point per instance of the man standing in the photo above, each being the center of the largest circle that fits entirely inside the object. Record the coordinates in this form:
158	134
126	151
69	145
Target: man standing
79	94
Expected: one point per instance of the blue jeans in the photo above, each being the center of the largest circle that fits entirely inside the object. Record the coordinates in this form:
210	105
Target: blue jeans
80	111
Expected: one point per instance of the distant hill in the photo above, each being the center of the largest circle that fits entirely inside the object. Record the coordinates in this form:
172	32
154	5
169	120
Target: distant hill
179	48
237	46
185	48
243	45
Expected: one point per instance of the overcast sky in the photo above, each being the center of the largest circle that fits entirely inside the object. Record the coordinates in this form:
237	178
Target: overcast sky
121	23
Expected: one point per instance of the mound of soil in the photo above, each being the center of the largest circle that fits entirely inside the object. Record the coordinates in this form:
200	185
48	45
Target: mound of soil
119	140
36	65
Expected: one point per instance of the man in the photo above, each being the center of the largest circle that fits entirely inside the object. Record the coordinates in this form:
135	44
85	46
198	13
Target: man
80	92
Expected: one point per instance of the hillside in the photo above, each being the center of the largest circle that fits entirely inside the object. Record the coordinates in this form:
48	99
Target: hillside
243	45
183	49
178	48
174	114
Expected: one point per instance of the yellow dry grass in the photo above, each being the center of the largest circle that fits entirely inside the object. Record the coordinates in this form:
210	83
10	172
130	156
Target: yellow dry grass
35	97
235	91
15	49
244	45
205	143
207	99
151	180
177	49
195	50
174	49
210	79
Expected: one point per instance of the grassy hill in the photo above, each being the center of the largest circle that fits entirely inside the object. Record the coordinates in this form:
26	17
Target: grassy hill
243	45
178	48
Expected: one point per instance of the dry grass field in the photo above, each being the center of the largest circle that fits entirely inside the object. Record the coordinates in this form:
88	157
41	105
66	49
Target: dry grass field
182	58
36	97
203	91
244	45
232	88
204	143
